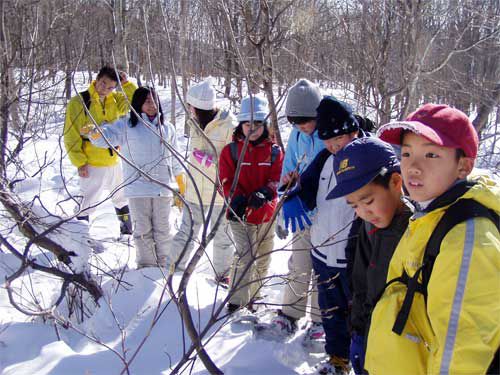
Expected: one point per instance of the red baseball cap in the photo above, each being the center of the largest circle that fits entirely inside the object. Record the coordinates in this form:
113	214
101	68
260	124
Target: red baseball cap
440	124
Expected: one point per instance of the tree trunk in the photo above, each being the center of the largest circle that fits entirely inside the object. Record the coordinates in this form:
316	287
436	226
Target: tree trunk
485	109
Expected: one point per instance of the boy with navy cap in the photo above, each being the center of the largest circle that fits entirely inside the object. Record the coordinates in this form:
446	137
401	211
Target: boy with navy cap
440	310
333	228
368	176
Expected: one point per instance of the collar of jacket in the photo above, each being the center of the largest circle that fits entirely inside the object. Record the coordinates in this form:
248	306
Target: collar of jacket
445	199
154	121
92	92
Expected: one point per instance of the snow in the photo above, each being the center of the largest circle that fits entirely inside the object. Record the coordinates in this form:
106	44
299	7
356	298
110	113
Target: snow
121	325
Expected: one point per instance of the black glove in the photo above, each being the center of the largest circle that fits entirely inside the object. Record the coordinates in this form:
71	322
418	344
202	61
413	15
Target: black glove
259	197
237	208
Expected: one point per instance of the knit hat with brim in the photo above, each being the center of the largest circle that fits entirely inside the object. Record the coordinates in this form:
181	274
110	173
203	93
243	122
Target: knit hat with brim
260	109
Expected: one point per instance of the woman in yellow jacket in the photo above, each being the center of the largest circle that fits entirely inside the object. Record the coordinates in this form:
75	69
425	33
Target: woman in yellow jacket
99	169
457	329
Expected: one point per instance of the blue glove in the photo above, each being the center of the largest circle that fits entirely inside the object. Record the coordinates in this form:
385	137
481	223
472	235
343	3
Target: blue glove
357	353
294	212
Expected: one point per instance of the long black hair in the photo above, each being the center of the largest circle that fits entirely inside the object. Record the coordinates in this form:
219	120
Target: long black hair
140	96
204	116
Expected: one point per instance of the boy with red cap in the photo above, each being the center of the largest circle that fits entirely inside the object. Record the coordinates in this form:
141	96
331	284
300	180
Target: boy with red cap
440	311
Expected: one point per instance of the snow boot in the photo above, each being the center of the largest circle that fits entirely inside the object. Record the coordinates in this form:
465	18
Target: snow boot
222	281
334	365
314	338
279	329
125	220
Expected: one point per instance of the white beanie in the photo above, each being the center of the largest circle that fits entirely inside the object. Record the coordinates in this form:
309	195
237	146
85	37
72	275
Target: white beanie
202	95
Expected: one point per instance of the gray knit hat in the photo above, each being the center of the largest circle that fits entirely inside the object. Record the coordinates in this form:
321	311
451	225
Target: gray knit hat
303	99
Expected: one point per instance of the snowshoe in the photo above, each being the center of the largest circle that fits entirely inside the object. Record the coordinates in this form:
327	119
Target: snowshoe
314	339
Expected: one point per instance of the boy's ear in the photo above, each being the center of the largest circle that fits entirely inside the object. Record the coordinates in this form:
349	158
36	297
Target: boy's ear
397	181
465	166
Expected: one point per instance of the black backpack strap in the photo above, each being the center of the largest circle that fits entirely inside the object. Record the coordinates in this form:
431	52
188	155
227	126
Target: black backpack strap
457	213
233	147
86	99
275	151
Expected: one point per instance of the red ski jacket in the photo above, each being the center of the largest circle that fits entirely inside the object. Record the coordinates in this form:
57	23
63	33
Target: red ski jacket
256	171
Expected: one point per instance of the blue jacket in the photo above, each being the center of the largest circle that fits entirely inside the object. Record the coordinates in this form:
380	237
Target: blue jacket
301	145
144	146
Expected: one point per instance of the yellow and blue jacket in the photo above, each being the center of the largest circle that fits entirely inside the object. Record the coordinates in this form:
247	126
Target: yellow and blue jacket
457	330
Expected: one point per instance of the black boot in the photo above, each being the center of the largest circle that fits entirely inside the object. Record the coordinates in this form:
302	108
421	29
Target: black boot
125	220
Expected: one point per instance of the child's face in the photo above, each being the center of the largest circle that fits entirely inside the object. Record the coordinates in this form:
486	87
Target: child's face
149	106
253	131
306	127
336	144
104	86
377	204
430	170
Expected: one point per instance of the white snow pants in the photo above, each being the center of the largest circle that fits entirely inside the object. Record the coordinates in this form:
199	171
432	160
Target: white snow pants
101	179
150	217
222	243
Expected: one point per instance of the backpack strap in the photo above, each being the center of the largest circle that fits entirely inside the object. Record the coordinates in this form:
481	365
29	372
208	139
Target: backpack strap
275	151
233	146
461	211
86	99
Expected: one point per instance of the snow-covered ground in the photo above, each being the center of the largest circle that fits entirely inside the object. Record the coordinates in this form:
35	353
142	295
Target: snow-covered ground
121	325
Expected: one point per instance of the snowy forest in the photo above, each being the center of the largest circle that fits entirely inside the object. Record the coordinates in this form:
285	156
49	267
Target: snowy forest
68	307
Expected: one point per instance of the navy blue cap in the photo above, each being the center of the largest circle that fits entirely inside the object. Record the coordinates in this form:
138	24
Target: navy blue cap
359	162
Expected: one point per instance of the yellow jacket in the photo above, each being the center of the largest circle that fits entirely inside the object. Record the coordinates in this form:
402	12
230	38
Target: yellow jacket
458	330
82	152
220	132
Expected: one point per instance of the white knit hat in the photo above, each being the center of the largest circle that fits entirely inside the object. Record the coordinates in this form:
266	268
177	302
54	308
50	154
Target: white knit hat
202	95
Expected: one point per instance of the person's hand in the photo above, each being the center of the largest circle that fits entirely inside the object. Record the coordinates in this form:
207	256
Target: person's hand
290	178
83	171
237	208
123	76
260	197
295	213
280	230
87	129
181	182
90	131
